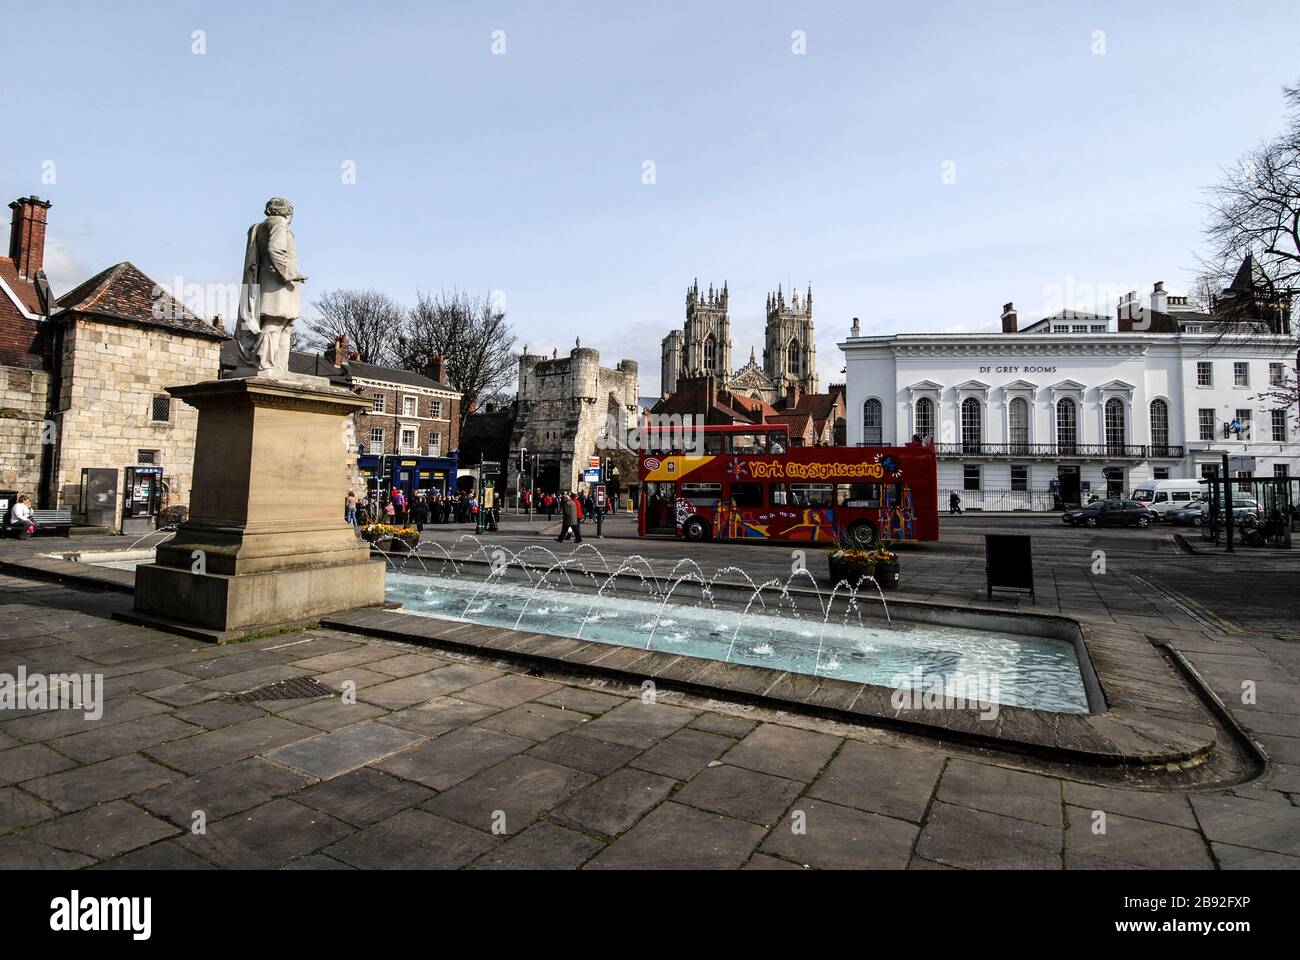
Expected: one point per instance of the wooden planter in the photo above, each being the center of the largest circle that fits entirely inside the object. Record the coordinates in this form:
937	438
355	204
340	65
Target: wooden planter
850	570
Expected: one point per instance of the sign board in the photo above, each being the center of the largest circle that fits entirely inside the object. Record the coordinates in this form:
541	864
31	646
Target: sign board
600	496
1009	563
1239	464
593	463
591	476
408	463
1086	486
490	466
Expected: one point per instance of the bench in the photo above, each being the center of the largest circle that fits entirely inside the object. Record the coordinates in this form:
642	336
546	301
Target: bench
53	520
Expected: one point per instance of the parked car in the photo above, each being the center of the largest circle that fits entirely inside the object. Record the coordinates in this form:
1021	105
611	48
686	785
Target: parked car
1109	513
1242	506
1189	515
1164	496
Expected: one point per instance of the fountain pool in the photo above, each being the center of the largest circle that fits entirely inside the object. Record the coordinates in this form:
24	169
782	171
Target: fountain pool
993	666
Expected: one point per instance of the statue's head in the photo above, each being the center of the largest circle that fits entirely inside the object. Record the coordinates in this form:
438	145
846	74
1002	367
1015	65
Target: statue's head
279	207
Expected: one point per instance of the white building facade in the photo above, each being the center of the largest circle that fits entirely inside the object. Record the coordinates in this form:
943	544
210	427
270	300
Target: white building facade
1020	420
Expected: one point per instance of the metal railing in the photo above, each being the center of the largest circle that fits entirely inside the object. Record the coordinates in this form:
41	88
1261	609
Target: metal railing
1059	451
995	499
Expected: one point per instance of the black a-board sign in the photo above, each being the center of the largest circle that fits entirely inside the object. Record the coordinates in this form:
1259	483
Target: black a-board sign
1009	563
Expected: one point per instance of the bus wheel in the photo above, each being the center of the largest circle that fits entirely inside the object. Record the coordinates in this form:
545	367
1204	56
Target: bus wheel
863	535
695	530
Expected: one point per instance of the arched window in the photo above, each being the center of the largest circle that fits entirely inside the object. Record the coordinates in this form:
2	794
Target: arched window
792	358
1018	424
924	418
1067	426
873	423
972	426
1115	438
710	353
1159	428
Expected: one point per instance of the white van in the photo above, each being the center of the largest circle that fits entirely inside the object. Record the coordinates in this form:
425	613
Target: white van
1161	496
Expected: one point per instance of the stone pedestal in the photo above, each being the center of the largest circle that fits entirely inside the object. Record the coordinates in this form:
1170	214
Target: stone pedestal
266	542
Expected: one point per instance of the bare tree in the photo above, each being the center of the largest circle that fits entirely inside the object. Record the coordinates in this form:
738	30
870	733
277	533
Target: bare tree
1255	209
372	322
472	336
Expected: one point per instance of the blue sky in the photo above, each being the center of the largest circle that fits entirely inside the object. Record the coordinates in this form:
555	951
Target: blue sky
523	172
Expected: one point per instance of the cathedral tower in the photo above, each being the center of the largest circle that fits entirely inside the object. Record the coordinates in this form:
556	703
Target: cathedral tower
790	351
706	346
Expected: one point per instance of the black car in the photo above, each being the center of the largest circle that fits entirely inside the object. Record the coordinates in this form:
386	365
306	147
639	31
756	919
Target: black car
1109	513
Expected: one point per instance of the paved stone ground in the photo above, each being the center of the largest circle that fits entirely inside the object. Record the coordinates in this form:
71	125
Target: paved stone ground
452	761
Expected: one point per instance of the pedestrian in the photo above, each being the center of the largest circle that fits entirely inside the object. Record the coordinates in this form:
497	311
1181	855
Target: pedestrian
350	508
21	523
570	514
598	514
528	501
954	504
390	512
400	506
420	512
549	503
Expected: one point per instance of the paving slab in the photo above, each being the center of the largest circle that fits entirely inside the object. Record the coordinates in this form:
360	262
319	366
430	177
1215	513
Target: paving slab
740	793
973	839
831	837
332	713
31	761
543	846
363	796
506	798
509	690
584	701
678	837
95	783
536	721
345	749
439	715
20	809
453	757
637	724
216	748
583	753
265	837
1141	844
17	852
612	805
784	751
994	789
683	754
412	840
102	831
894	781
221	792
1249	823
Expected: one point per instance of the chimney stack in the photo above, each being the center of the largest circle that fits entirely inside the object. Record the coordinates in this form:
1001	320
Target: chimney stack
218	323
1159	299
27	235
791	394
1009	319
338	354
856	329
436	368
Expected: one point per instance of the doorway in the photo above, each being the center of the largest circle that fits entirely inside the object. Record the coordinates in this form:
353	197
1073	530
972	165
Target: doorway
1068	480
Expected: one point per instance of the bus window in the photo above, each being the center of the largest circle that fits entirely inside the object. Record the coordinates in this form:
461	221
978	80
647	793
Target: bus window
858	494
746	494
712	444
803	494
702	494
777	441
745	443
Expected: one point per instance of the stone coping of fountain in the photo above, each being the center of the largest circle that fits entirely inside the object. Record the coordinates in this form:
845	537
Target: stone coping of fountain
1143	711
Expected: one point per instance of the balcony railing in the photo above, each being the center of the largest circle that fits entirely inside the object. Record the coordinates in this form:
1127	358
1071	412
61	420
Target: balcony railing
1059	451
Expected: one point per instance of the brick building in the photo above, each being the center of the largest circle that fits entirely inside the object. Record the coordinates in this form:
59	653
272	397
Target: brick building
25	301
84	385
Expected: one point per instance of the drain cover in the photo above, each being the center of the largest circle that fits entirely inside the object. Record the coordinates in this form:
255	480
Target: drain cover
297	688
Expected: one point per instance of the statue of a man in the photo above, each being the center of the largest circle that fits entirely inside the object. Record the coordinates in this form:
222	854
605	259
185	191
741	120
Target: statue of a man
268	303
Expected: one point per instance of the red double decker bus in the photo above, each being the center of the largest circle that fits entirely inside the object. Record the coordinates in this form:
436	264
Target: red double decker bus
748	483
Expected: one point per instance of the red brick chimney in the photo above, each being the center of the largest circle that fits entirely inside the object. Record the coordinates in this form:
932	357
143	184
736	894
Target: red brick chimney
436	368
27	235
338	355
1009	318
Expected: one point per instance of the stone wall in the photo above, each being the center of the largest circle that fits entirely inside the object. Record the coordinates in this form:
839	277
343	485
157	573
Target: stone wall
22	413
105	409
564	406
